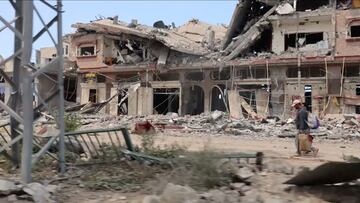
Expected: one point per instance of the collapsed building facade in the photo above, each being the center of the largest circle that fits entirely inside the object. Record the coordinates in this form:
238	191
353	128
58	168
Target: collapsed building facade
272	53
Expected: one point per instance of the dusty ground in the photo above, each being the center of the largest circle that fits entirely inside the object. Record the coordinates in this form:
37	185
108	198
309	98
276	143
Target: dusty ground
271	184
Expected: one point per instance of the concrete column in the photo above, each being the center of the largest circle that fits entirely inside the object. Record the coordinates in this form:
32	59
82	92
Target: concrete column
207	97
278	82
84	93
78	89
132	102
234	104
101	94
113	104
184	94
206	85
145	101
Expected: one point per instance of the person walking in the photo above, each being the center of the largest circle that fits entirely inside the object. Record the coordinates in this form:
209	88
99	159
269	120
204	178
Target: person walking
301	122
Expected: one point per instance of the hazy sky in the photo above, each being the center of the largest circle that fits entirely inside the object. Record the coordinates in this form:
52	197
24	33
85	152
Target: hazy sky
146	12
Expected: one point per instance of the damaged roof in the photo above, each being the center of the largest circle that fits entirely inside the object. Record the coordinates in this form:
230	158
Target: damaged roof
196	30
180	39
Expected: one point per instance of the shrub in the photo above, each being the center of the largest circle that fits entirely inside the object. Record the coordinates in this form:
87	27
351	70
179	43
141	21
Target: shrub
72	122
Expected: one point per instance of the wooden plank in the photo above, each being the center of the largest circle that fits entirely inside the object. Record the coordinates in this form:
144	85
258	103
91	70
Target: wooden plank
247	108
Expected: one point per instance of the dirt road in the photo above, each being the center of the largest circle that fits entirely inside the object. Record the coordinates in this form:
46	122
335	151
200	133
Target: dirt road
330	150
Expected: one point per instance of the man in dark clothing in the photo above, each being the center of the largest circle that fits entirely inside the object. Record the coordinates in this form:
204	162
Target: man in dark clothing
301	122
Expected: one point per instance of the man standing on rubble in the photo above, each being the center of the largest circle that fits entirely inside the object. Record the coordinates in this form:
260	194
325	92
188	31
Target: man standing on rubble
301	122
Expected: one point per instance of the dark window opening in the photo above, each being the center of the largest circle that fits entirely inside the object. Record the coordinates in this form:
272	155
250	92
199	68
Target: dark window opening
355	31
306	72
303	5
92	95
220	75
70	88
129	52
195	76
352	71
166	76
66	50
308	97
87	51
357	108
302	39
217	100
196	105
264	43
122	102
166	100
251	73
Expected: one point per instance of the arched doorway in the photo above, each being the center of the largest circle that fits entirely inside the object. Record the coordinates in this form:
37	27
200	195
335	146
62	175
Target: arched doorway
217	100
197	100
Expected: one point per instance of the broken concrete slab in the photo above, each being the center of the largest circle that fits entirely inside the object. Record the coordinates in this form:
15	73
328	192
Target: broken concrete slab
249	37
8	187
284	9
216	115
244	173
178	194
237	23
328	173
39	193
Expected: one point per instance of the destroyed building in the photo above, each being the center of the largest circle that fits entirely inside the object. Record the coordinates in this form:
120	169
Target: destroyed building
272	53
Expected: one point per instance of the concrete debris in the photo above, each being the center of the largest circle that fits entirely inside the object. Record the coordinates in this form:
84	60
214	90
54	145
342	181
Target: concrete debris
328	173
36	192
216	115
8	187
178	194
216	122
279	166
39	193
284	9
244	173
151	199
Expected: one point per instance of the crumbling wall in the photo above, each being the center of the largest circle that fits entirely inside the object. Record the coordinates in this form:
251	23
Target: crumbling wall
278	82
93	61
44	85
345	44
100	89
307	22
294	90
349	92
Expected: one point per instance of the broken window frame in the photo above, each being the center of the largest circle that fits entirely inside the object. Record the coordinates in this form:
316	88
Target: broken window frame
66	49
78	50
297	44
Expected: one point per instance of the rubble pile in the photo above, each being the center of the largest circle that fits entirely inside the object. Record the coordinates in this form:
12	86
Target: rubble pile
248	185
218	122
32	192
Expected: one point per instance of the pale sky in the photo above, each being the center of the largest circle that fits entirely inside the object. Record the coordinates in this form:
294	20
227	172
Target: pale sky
146	12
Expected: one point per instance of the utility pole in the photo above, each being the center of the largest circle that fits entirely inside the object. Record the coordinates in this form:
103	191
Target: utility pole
20	106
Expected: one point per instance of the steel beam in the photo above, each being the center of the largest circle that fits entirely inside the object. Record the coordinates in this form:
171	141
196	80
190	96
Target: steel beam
22	84
14	97
61	107
27	96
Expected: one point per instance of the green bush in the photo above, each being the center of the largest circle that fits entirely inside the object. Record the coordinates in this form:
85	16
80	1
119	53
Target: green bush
72	122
